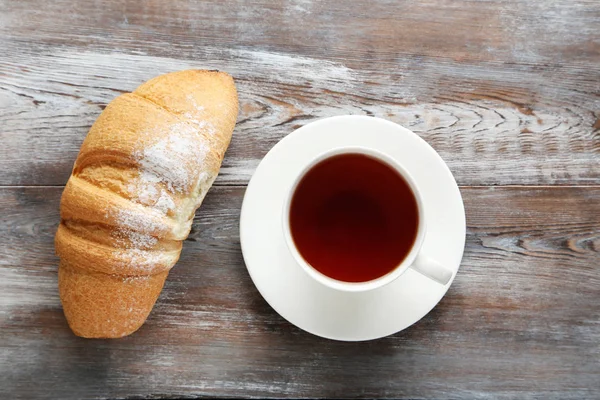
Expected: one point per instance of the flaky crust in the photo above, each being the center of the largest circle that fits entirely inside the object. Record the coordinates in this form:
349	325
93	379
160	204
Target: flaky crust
142	171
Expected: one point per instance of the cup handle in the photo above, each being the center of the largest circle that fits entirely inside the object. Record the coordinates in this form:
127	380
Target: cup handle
432	269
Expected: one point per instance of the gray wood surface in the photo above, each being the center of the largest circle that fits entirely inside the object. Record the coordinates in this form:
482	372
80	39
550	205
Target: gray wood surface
508	92
521	319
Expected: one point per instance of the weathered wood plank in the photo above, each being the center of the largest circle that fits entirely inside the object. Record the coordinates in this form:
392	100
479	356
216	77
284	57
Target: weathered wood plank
528	31
506	93
521	320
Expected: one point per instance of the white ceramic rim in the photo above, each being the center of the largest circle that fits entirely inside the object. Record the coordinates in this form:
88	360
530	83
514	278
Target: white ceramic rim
355	286
315	308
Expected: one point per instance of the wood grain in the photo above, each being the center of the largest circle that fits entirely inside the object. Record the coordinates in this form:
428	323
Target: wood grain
507	93
521	319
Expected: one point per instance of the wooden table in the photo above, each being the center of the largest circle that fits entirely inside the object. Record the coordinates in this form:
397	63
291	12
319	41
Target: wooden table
508	92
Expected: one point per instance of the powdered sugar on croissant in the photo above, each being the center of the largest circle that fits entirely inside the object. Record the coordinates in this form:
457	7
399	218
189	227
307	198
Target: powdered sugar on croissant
143	170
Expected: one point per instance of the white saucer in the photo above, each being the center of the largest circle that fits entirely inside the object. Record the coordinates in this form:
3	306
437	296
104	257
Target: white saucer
312	306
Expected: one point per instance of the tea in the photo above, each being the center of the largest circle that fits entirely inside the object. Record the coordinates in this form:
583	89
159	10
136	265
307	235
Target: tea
353	218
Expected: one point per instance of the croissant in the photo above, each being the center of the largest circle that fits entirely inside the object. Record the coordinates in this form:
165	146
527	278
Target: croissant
142	171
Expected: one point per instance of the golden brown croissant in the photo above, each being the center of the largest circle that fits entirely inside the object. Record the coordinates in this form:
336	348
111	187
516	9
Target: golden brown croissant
142	171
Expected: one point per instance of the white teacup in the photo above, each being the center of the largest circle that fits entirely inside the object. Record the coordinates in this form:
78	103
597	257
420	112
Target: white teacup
415	259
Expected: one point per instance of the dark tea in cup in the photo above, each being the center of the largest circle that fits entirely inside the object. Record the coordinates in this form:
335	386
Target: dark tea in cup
353	217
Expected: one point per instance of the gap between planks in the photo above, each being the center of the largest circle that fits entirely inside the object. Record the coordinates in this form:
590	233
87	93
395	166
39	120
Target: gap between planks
545	186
